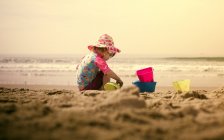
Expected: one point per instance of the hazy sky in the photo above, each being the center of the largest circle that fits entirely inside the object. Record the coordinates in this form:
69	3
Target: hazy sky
152	27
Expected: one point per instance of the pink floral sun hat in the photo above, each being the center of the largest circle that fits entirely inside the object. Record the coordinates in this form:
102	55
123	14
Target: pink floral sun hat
105	41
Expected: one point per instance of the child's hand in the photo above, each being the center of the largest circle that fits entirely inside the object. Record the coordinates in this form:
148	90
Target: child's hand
120	82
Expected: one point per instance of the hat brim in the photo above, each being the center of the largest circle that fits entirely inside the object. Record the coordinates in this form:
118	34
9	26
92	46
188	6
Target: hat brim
113	49
90	47
110	48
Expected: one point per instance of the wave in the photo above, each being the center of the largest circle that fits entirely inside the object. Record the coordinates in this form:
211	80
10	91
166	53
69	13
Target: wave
121	68
38	60
120	64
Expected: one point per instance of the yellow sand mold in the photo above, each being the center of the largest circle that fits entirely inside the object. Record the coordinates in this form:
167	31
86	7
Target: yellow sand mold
111	86
182	85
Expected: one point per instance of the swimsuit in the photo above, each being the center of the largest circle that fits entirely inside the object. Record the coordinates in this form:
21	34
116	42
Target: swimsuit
89	69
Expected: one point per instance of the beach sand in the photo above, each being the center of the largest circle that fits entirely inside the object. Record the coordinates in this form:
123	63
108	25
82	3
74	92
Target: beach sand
57	112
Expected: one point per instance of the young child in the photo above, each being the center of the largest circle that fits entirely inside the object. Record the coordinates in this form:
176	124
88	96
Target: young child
93	72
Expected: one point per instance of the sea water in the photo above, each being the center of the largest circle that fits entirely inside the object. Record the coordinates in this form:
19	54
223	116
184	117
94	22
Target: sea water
61	69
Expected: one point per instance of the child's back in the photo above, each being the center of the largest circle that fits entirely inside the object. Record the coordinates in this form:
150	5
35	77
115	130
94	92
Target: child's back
87	70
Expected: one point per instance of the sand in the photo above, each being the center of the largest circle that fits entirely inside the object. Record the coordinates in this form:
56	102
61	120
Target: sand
125	114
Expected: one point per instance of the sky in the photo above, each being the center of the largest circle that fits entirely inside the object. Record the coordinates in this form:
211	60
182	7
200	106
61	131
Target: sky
143	27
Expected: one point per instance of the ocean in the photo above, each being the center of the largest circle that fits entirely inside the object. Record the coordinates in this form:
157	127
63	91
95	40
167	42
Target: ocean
61	69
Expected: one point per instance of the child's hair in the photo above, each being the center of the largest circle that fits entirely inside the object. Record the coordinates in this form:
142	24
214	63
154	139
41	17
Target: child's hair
97	49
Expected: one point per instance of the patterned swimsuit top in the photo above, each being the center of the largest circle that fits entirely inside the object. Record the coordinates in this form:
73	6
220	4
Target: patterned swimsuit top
87	70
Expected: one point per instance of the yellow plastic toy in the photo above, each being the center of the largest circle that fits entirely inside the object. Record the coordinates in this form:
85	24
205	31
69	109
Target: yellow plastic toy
182	85
111	86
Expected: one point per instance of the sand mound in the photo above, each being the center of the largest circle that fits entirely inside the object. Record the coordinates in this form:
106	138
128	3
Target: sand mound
121	114
127	98
194	94
219	90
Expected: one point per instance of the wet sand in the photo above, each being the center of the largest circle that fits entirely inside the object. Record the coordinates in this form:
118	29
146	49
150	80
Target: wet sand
64	113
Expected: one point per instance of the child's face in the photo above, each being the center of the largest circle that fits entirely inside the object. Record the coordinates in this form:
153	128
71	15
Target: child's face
108	55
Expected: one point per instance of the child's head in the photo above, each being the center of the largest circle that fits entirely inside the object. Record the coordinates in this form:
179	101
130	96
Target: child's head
103	52
105	46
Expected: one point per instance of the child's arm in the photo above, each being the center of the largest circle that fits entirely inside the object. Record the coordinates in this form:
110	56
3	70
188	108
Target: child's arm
107	71
114	76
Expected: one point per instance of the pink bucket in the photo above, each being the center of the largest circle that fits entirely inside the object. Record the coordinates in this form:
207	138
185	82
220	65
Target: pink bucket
145	75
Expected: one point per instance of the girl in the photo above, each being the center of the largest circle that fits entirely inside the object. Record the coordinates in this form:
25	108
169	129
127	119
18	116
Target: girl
93	72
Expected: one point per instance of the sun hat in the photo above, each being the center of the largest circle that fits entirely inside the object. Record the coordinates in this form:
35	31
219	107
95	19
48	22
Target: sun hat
105	41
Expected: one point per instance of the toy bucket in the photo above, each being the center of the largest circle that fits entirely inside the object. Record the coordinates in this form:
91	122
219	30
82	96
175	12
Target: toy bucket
182	85
145	86
111	86
145	75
